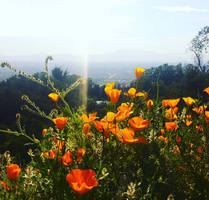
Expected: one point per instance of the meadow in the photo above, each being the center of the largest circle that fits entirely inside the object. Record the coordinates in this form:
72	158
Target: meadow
141	148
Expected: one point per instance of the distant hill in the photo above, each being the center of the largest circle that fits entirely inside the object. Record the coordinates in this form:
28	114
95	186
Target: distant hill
117	66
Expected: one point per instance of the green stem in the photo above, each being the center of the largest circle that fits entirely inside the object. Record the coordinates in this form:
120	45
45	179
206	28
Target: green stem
19	134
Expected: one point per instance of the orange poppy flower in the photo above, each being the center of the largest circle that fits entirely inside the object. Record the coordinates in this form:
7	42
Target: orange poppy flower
200	110
188	117
181	168
189	101
67	158
124	111
102	127
199	149
207	116
171	113
114	128
139	72
199	128
114	95
81	152
170	126
149	104
206	90
138	123
131	92
90	118
172	103
44	131
59	143
4	185
51	154
127	136
110	117
142	94
188	122
162	131
165	103
86	128
54	97
178	139
81	181
163	139
60	122
108	88
197	158
13	171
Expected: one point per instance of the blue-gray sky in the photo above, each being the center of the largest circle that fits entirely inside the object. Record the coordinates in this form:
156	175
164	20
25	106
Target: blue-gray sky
163	27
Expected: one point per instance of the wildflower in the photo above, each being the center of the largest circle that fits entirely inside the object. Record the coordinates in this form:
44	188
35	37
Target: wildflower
54	97
142	94
102	127
108	88
149	104
206	90
172	103
44	131
124	111
207	116
86	128
162	131
13	171
67	158
132	93
4	185
188	122
90	118
200	110
59	143
110	117
81	181
199	149
114	95
197	158
176	149
60	122
138	123
163	139
51	154
81	152
199	128
188	117
170	126
114	129
171	113
139	72
181	168
127	136
189	101
178	139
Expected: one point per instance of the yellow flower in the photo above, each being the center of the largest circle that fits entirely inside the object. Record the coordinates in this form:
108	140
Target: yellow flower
139	72
189	101
54	97
108	88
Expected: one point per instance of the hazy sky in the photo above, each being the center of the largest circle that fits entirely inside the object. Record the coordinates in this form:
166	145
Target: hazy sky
100	26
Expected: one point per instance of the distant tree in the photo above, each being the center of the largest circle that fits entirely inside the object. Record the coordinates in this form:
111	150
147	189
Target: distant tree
199	46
